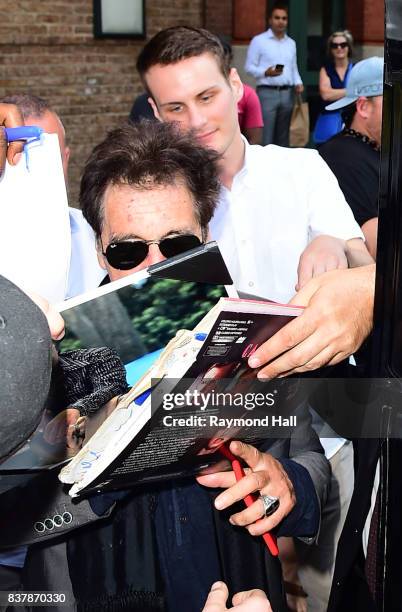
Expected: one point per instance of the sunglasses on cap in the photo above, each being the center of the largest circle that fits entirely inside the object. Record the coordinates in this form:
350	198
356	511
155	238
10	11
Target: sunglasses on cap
127	254
341	45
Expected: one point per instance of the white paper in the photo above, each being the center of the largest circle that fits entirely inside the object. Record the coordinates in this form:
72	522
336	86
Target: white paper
35	236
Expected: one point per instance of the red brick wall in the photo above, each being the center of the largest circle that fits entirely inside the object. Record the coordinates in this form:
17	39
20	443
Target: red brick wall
47	48
218	16
250	18
365	19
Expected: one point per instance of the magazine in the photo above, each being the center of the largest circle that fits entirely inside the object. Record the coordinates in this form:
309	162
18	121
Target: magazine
136	317
193	399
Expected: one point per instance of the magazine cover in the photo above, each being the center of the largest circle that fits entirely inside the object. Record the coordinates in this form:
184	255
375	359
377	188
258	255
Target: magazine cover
174	428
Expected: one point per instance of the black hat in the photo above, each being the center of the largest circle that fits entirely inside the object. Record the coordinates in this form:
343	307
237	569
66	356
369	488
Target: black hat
25	366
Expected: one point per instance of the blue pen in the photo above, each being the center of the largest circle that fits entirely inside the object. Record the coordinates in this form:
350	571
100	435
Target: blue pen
29	133
26	132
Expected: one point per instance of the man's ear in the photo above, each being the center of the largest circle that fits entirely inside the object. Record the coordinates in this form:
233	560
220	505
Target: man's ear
236	84
362	104
154	108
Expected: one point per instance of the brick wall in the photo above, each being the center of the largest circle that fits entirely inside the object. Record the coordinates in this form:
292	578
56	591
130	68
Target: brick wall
218	16
47	48
365	19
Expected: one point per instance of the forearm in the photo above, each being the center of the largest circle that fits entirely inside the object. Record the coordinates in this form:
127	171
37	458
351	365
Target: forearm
328	94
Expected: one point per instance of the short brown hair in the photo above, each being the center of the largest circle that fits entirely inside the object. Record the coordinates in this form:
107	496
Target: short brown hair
177	43
144	155
279	6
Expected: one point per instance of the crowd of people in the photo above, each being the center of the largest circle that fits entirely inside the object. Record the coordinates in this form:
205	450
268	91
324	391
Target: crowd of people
284	219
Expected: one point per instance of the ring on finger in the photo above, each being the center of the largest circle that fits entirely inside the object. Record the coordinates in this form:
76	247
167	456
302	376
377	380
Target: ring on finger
270	504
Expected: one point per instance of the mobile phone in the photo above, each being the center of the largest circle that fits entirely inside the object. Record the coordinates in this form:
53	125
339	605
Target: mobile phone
279	67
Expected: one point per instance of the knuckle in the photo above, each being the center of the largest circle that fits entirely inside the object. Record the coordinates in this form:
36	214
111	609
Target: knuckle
259	480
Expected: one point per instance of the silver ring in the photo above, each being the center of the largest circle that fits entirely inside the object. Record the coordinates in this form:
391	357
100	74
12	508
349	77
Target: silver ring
270	504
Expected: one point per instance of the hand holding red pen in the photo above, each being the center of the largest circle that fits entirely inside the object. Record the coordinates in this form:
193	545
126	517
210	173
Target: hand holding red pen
266	477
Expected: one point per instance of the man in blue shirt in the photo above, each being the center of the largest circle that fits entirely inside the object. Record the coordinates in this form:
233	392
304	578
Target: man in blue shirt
271	60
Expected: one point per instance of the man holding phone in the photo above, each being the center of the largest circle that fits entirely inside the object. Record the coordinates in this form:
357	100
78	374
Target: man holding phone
271	59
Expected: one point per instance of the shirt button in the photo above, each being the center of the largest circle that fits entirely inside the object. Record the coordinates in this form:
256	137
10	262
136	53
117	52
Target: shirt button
183	519
251	284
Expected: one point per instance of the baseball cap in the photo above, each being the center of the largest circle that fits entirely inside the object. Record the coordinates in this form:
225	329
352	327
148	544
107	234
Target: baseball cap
365	79
25	358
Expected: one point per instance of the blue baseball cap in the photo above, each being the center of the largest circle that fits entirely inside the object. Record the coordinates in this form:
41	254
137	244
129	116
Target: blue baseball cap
365	79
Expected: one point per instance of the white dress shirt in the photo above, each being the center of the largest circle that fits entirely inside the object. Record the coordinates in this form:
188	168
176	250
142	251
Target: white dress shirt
265	51
279	201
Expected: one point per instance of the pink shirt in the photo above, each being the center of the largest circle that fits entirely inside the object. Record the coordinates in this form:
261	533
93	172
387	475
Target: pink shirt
249	109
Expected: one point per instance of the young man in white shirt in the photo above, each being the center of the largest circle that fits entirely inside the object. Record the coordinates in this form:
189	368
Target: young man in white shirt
271	60
277	206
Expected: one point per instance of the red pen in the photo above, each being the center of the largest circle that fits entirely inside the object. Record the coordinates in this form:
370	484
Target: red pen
239	473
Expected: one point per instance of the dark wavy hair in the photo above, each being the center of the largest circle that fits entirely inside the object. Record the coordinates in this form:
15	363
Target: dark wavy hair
146	155
174	44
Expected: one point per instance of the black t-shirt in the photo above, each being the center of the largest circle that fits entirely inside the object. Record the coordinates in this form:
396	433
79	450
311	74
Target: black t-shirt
356	165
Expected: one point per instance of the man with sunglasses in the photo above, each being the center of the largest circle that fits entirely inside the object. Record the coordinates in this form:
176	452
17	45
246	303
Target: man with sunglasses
146	203
149	192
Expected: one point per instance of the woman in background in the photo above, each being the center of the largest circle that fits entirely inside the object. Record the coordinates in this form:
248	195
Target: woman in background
332	83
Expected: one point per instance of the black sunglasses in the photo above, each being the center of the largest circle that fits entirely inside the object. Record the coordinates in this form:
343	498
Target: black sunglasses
342	45
128	254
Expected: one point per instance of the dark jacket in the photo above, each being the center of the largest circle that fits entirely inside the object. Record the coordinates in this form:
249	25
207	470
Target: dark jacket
349	587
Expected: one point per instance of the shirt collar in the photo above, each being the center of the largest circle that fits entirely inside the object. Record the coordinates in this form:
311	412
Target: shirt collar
270	34
245	172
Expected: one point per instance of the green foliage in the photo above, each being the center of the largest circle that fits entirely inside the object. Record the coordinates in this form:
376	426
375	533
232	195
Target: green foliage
163	306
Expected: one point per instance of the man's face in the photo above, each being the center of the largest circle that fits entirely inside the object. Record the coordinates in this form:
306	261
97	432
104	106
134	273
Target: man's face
145	214
278	21
195	94
51	124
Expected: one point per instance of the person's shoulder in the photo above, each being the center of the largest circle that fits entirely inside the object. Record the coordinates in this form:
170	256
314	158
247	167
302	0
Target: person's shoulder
249	92
341	145
291	40
259	37
284	157
77	219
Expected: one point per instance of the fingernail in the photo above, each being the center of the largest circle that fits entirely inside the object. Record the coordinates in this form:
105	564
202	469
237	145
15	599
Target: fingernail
254	362
218	504
216	586
231	521
262	376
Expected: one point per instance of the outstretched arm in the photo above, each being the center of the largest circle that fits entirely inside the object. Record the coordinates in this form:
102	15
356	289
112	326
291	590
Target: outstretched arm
337	319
